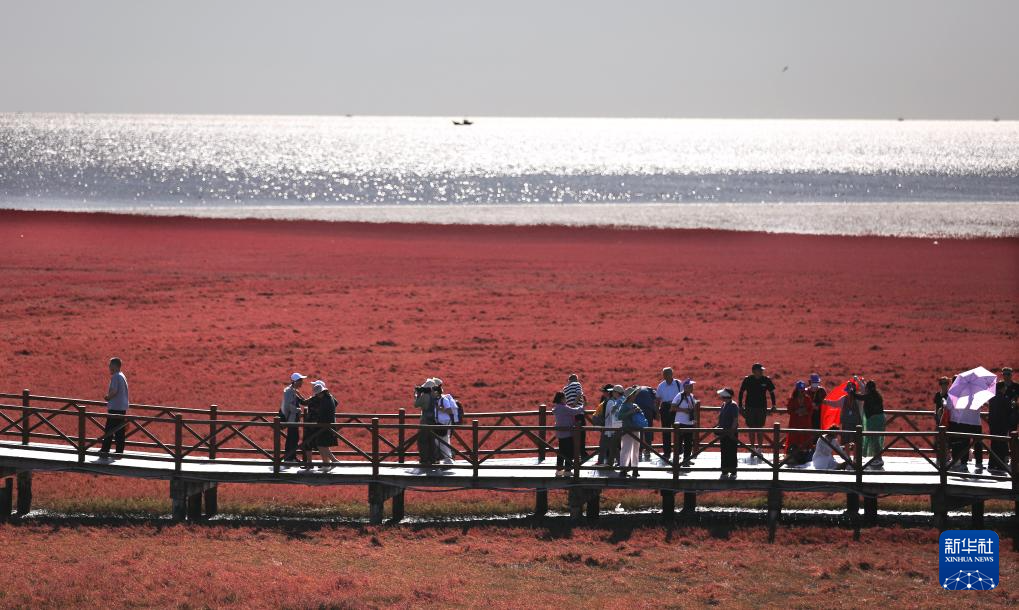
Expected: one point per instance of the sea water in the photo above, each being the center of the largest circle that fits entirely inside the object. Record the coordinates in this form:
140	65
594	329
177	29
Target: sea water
919	178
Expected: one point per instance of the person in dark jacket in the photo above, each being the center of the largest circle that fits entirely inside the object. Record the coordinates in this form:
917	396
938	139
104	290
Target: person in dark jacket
1002	418
321	433
817	393
753	404
940	402
728	433
426	398
874	421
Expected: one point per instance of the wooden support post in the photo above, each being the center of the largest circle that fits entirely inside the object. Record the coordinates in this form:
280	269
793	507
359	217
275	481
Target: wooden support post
178	500
398	506
774	508
276	457
575	500
689	503
211	502
194	506
6	499
540	502
978	515
24	492
401	437
943	460
475	455
939	506
853	508
870	509
24	416
213	415
178	443
593	503
81	434
375	447
542	418
668	505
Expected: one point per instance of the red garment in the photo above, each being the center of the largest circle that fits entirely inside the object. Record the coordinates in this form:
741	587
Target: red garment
801	412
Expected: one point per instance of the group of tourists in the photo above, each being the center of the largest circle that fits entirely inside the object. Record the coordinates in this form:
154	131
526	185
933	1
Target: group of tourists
626	417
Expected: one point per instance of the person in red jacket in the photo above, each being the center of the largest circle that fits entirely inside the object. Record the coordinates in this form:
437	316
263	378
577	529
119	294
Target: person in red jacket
801	411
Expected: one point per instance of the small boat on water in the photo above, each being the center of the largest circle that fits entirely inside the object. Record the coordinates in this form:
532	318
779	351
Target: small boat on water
464	122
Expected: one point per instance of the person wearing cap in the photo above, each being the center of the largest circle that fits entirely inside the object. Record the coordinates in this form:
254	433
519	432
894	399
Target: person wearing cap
290	413
874	421
609	444
753	403
117	401
817	395
941	401
686	408
728	433
798	445
321	435
666	392
629	445
426	399
1007	386
1002	419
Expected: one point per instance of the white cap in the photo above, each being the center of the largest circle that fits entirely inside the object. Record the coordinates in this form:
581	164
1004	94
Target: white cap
436	381
318	385
618	388
724	393
429	383
297	376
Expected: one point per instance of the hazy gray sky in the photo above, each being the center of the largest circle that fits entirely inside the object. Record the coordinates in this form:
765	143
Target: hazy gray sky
858	58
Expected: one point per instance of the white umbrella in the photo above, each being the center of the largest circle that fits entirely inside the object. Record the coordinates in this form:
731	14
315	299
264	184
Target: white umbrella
972	389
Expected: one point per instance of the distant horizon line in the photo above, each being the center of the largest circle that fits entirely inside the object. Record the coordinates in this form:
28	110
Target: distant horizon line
903	119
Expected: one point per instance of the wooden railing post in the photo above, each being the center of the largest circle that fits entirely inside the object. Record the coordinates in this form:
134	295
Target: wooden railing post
81	434
24	416
212	431
476	449
178	442
775	446
401	437
542	418
375	447
858	457
675	452
576	451
943	456
276	445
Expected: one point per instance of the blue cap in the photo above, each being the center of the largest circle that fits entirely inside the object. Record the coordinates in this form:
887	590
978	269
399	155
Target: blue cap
800	385
815	378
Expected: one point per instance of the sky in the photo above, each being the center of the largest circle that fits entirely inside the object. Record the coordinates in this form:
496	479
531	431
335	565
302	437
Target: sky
935	59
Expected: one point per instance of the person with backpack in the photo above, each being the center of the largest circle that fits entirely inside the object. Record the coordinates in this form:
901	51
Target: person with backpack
632	421
645	400
687	410
426	399
668	389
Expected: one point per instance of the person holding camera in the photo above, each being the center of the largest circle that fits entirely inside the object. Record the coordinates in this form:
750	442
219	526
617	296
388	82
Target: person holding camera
426	398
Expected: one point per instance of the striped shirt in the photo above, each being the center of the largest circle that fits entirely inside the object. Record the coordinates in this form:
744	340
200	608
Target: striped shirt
573	391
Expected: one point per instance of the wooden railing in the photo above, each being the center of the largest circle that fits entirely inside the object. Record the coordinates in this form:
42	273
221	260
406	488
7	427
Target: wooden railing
186	435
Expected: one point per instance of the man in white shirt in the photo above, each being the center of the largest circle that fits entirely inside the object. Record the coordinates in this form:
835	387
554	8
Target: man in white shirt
686	408
290	412
117	402
666	392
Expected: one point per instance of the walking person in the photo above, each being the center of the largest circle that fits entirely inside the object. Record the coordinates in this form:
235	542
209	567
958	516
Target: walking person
322	435
753	403
686	408
668	389
728	433
874	413
565	421
447	413
117	402
290	413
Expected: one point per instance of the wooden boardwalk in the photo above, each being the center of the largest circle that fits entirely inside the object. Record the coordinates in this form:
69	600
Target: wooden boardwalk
197	449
